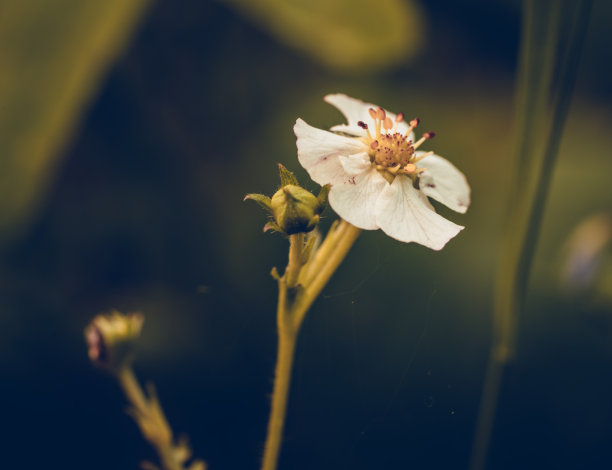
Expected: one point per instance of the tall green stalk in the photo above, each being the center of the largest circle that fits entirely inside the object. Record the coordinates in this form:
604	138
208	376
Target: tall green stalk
298	288
551	44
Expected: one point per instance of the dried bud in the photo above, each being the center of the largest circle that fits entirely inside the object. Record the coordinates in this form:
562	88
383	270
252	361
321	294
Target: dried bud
111	338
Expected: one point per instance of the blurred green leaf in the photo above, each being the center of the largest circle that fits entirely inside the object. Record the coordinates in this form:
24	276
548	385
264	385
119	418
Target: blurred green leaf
53	56
364	35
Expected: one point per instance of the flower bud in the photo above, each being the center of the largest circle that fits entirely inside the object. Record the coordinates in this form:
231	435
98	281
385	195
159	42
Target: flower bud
295	210
111	339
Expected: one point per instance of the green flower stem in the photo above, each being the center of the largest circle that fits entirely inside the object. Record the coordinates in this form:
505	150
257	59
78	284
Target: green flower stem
295	259
132	390
546	80
287	338
322	254
294	300
349	234
148	415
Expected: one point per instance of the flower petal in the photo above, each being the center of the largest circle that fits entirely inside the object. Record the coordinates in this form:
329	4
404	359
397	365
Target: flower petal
405	214
353	110
443	182
318	152
355	199
356	110
355	164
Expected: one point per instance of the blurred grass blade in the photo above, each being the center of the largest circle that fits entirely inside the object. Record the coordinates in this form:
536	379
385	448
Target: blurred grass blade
561	99
363	35
553	81
547	75
53	55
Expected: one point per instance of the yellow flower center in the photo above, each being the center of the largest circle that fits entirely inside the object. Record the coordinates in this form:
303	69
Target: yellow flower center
391	152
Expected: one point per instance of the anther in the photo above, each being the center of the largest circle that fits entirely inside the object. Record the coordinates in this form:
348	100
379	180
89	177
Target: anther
372	113
374	144
410	168
414	122
362	124
426	136
380	114
387	123
399	117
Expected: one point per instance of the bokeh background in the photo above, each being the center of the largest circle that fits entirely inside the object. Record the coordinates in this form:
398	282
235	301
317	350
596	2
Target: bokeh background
130	132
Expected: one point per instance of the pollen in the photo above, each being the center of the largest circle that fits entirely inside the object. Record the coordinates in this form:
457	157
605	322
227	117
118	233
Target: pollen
391	152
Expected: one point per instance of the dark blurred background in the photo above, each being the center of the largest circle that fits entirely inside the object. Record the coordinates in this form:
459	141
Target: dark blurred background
135	203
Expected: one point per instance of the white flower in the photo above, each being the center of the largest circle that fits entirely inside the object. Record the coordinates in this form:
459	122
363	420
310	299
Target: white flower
378	178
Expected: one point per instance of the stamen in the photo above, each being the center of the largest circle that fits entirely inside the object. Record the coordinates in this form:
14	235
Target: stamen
374	145
415	122
426	136
410	168
387	123
421	157
380	114
399	118
364	126
372	113
395	169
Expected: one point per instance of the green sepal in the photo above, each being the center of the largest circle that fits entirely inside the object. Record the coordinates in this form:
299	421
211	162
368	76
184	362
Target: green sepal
313	223
262	200
273	227
286	176
322	197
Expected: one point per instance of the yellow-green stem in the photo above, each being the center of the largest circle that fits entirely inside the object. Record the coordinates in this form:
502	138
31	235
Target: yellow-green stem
287	338
135	395
132	390
323	253
312	291
294	300
295	259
